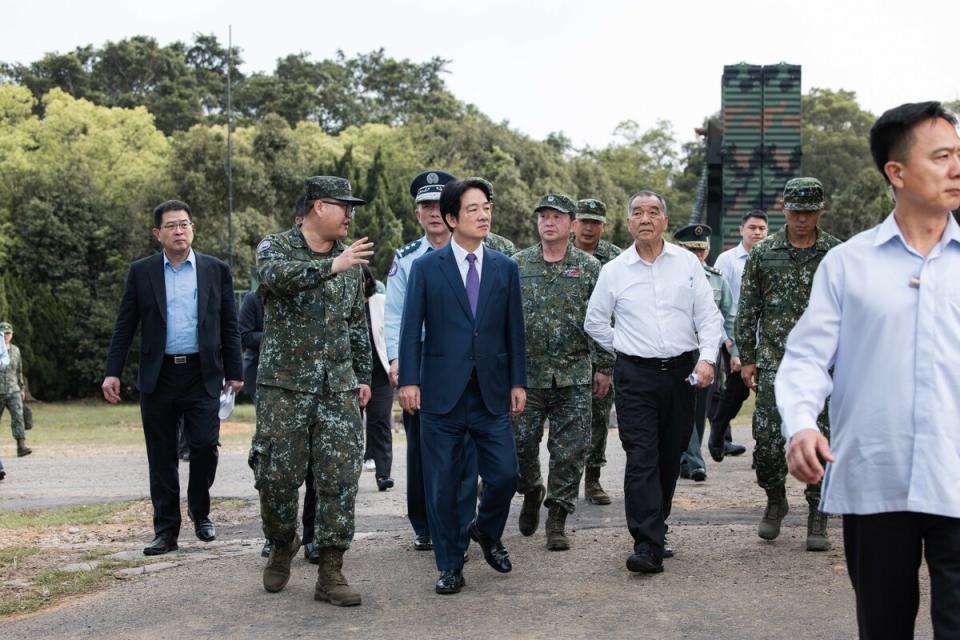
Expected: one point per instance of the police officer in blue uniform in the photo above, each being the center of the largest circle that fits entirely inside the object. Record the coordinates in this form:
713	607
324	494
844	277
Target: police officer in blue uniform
425	190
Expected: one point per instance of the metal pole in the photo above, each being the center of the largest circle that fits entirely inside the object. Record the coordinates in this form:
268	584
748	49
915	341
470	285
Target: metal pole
229	149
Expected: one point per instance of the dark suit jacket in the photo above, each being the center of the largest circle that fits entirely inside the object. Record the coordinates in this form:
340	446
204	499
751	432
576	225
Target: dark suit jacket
251	335
144	303
454	342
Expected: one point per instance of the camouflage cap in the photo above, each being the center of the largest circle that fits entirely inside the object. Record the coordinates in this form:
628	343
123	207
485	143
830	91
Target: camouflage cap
591	209
803	194
693	236
331	187
558	201
6	327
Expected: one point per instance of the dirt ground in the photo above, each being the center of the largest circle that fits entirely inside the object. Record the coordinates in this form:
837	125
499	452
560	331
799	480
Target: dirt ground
723	583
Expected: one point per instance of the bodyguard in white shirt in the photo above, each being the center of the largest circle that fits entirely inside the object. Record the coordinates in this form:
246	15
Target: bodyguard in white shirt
753	229
666	326
885	314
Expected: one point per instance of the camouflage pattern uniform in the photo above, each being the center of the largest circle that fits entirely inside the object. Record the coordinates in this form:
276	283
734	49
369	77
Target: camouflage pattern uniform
315	354
560	358
11	386
600	412
499	243
775	291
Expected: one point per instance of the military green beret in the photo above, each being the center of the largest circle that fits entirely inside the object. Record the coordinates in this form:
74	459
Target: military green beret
558	201
591	209
331	187
803	194
6	327
693	236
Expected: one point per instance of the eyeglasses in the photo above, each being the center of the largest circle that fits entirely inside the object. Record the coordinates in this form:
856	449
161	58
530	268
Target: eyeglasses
349	209
183	225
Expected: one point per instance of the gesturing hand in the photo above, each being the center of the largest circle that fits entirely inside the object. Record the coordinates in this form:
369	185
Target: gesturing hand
357	253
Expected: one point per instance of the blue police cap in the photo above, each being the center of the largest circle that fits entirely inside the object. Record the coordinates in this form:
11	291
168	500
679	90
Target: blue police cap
429	184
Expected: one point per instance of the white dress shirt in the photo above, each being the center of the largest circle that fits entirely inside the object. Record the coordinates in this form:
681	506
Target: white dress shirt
888	320
661	309
731	263
461	256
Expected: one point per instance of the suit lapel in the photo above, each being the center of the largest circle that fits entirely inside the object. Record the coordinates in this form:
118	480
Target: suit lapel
488	281
158	285
204	281
448	266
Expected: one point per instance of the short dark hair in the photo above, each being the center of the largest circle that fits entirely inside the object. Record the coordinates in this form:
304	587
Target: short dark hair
755	213
453	192
892	134
169	205
300	206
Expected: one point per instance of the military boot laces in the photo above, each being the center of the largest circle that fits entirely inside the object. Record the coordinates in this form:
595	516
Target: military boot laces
277	572
817	531
592	490
22	448
777	508
331	586
556	538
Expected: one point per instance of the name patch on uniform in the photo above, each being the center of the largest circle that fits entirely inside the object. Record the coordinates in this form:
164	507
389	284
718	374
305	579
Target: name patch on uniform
571	273
394	268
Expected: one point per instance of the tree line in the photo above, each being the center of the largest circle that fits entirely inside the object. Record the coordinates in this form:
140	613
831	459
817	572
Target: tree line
92	139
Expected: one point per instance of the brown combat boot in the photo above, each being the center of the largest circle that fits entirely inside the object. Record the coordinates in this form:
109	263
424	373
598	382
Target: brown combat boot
331	586
592	490
22	448
277	572
777	508
556	538
530	511
817	530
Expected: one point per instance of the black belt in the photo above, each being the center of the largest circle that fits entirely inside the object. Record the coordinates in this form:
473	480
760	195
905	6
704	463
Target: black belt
661	364
187	358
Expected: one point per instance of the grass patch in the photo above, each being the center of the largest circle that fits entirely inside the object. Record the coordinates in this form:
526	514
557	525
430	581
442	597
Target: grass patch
73	515
12	557
48	586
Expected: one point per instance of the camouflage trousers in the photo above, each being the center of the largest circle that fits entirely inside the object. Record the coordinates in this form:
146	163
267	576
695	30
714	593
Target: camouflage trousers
599	426
769	456
296	430
14	402
568	409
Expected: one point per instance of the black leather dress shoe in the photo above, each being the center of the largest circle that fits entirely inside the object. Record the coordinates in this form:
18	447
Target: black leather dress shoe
384	483
311	553
644	563
205	530
716	444
699	474
733	449
161	544
451	581
667	548
494	552
422	543
684	474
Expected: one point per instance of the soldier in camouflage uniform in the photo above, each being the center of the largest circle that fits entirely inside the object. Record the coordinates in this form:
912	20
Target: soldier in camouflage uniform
499	243
12	391
775	291
556	280
587	231
314	358
696	238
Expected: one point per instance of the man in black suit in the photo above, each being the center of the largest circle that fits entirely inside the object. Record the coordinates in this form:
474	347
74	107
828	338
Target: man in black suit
466	375
183	303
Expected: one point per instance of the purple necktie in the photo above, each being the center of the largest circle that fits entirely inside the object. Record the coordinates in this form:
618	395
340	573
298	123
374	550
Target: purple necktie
473	283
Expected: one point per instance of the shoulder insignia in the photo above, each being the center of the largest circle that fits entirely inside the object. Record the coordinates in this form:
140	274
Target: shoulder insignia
394	268
408	249
712	270
264	245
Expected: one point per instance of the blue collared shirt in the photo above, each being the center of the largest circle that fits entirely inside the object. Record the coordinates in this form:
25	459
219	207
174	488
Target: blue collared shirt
397	291
181	285
888	320
731	263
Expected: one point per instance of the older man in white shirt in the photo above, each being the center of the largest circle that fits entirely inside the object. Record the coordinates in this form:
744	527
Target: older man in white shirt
666	325
884	313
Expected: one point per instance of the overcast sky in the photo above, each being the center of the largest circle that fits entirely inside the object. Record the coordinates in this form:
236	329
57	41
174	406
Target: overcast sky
572	66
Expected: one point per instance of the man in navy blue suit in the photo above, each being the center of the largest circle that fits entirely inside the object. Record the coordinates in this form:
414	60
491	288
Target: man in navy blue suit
466	375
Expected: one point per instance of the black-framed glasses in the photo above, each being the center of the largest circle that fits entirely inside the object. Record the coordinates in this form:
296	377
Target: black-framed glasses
349	209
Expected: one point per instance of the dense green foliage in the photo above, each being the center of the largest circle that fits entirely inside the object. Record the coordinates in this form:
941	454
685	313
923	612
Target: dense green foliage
90	140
